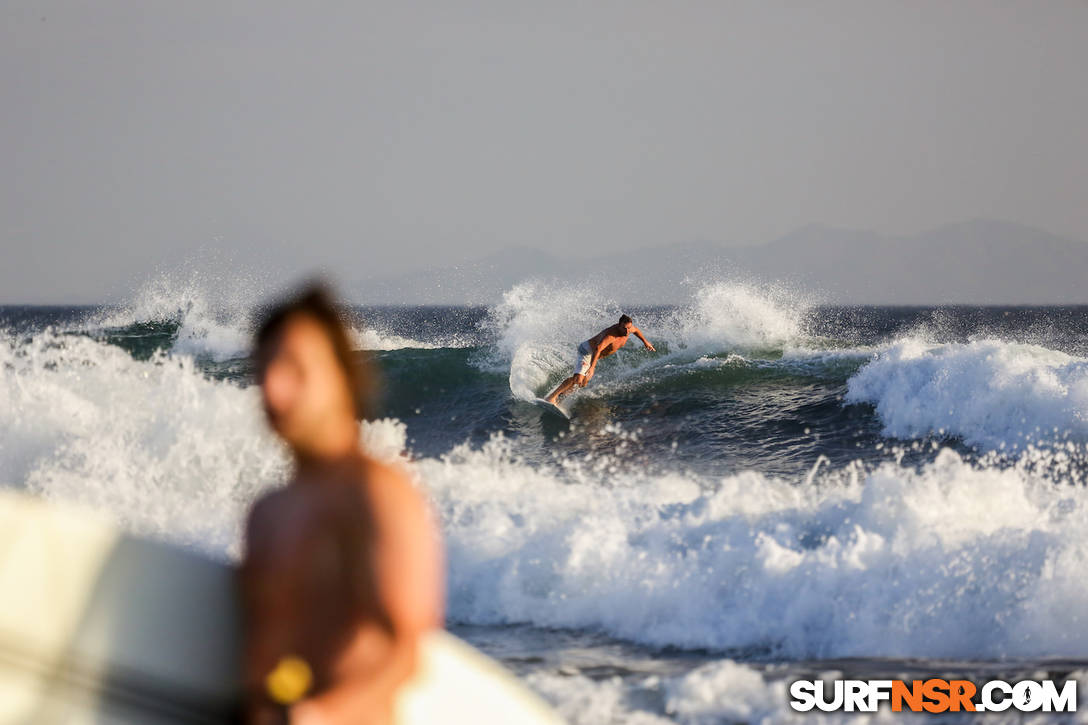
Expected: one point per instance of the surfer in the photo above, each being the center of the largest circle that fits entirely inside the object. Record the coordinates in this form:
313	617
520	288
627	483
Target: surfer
341	573
603	344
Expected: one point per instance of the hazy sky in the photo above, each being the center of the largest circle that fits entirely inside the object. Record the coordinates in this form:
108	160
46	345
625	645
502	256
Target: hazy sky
371	137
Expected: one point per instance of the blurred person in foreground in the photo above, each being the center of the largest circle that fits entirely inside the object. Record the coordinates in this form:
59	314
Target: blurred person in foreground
342	572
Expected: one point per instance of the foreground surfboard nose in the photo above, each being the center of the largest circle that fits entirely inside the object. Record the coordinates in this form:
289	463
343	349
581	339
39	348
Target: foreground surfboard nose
98	626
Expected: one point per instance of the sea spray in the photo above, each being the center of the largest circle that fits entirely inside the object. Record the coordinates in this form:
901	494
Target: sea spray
990	393
537	327
208	319
727	316
212	313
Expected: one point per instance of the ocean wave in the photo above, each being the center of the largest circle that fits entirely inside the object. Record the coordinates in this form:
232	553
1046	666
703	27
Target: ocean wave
717	692
537	327
952	559
155	444
532	330
990	393
209	318
375	339
730	316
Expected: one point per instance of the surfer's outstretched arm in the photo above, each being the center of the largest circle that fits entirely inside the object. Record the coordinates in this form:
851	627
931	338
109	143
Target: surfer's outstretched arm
638	333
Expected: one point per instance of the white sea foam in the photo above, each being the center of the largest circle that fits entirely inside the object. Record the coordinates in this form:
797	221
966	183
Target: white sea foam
584	701
991	393
738	316
375	339
536	329
214	319
717	692
154	444
726	691
951	560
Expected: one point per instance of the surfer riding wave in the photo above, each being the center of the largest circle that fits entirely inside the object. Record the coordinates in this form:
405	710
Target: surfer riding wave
603	344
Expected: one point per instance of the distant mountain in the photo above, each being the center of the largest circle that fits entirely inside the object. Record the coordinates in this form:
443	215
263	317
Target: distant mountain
975	262
477	281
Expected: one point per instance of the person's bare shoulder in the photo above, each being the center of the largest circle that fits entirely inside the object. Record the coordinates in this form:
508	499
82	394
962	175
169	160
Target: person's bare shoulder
391	490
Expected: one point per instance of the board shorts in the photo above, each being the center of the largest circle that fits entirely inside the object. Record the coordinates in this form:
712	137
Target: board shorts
585	357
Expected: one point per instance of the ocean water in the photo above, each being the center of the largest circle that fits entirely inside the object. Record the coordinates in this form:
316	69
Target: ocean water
783	489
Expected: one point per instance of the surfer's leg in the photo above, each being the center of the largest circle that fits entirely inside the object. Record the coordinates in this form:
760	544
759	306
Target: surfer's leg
564	388
581	366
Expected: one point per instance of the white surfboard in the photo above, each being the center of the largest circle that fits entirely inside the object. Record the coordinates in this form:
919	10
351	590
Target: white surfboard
100	627
551	408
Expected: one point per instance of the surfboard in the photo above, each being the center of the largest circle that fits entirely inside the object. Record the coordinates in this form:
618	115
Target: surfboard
100	627
550	408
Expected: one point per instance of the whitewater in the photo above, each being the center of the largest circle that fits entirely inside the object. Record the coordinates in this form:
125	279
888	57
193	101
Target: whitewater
784	488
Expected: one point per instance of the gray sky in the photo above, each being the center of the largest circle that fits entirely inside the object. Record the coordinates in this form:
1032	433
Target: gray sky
380	137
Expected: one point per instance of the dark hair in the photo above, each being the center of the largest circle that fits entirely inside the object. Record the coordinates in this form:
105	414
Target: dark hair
315	301
624	319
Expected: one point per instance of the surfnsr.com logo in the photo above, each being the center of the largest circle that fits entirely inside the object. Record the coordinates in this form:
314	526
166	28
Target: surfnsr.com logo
934	695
